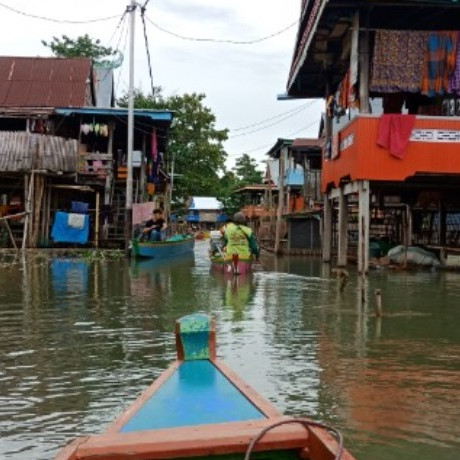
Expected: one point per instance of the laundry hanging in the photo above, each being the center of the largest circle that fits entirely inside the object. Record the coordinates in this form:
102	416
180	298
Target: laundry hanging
439	63
398	61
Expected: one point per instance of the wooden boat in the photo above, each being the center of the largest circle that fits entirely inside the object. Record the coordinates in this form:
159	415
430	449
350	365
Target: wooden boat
199	408
163	249
231	265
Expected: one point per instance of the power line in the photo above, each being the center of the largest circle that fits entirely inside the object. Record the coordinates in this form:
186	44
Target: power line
271	144
292	114
125	43
121	23
61	21
271	118
146	40
217	40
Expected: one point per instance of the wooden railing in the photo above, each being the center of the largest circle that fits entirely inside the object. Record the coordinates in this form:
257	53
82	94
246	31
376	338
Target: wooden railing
94	164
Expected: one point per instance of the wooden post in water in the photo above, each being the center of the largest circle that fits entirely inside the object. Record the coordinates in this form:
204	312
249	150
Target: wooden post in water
96	237
327	228
378	303
30	188
342	230
279	212
363	230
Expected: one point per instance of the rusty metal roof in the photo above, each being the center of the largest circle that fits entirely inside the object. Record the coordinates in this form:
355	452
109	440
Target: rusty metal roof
45	82
306	142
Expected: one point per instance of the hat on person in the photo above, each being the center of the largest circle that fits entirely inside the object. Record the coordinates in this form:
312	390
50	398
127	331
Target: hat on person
239	218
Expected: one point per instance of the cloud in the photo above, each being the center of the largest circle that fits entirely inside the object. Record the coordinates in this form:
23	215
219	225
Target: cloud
199	12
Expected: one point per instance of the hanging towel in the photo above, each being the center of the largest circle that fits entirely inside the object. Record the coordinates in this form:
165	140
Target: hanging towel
394	133
76	221
63	233
439	63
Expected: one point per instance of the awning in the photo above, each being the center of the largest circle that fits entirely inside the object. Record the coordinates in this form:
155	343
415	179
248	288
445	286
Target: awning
154	115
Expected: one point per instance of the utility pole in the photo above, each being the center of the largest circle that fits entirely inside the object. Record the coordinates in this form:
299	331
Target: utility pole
129	179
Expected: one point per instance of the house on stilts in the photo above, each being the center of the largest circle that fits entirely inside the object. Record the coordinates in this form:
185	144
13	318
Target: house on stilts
284	211
63	151
389	73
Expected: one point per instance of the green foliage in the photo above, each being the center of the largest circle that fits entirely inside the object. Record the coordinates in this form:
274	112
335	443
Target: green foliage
82	46
194	143
246	171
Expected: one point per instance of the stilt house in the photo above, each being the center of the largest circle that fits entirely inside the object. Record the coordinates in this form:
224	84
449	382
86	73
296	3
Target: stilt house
389	73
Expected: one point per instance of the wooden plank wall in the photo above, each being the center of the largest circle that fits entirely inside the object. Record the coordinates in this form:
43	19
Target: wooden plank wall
23	151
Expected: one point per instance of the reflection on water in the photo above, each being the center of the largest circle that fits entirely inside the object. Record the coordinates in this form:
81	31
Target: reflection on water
79	340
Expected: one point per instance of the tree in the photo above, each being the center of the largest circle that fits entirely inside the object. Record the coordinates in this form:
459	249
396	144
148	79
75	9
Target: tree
194	144
246	171
82	46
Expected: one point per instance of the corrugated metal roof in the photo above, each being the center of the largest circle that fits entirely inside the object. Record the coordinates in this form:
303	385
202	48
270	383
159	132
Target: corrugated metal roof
44	82
304	142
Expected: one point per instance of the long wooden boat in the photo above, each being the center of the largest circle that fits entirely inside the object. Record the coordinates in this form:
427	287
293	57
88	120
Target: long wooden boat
163	249
231	265
200	409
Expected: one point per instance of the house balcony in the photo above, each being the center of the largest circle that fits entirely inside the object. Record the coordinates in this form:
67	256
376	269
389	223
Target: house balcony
433	148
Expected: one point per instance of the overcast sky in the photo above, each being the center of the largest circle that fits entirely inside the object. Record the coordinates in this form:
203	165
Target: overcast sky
241	82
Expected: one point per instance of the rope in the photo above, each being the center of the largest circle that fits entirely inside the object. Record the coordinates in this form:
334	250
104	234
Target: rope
306	423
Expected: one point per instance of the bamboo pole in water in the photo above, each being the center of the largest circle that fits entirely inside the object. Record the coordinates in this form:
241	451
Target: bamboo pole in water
30	186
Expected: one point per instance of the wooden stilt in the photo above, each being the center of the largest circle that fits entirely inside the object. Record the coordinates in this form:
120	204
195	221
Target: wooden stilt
342	230
38	197
96	232
30	186
363	224
327	228
279	213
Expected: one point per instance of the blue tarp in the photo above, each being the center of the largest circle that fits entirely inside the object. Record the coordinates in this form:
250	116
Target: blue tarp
62	233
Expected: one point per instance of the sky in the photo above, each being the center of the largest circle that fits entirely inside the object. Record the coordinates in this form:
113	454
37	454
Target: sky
241	81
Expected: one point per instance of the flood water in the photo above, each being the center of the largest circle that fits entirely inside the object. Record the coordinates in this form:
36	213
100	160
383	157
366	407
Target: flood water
80	340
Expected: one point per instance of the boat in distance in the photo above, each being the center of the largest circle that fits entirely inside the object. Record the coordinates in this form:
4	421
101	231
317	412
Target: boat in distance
163	249
200	409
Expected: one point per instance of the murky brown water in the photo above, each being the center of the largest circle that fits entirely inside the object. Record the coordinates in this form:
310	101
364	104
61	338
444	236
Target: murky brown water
79	341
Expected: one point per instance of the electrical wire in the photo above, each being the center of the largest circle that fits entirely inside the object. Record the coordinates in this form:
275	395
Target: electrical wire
271	144
60	21
149	62
217	40
271	118
125	44
271	124
121	22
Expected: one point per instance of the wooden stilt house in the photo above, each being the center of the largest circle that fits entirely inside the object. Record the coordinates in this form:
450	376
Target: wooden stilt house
389	73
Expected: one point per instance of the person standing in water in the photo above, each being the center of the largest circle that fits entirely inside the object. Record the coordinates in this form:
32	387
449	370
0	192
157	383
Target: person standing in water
239	238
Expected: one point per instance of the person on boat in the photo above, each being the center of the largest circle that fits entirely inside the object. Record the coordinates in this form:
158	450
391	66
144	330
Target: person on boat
239	238
155	228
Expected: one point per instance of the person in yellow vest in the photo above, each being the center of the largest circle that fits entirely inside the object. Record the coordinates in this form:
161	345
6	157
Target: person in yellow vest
239	238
